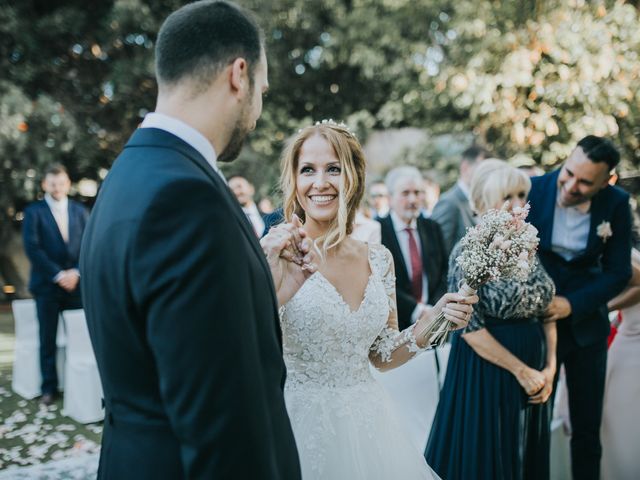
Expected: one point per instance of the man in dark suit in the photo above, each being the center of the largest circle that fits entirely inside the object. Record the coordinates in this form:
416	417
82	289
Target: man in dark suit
178	296
52	232
585	245
244	192
416	245
453	210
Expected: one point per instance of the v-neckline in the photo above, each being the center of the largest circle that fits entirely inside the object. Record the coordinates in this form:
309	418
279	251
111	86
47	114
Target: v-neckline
341	297
366	288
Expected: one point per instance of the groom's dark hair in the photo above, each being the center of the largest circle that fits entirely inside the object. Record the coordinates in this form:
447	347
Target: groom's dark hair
200	39
599	150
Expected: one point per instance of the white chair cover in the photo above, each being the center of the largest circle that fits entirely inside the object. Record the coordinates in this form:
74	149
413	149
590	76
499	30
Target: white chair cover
27	378
26	359
83	391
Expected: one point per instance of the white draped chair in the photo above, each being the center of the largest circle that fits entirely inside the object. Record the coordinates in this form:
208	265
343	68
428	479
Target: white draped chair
27	379
82	388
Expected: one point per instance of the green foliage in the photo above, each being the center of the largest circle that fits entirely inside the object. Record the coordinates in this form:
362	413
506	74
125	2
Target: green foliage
540	88
525	76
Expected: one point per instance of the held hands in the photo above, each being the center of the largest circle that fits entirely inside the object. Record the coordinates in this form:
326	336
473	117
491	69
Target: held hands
68	280
290	258
545	392
531	380
558	309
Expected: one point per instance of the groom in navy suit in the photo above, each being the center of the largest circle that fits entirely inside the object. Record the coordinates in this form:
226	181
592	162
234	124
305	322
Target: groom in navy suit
585	246
52	233
178	295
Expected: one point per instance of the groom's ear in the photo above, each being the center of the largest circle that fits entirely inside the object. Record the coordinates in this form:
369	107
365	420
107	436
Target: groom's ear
239	77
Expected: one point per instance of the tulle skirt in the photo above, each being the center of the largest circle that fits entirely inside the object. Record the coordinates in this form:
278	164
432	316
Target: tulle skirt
484	428
351	433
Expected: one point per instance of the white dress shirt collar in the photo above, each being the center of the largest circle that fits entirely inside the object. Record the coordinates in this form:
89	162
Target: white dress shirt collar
400	225
184	132
57	205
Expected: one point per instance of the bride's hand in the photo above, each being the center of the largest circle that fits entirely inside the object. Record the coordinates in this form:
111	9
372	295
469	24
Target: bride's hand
456	308
290	257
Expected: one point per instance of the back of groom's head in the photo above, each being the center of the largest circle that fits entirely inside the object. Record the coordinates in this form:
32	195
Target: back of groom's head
197	41
599	149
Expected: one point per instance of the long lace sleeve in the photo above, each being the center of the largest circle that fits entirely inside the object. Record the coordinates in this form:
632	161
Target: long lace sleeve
391	348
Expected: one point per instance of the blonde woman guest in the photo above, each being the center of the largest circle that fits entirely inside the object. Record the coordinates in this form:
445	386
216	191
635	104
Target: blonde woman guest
620	429
492	418
342	318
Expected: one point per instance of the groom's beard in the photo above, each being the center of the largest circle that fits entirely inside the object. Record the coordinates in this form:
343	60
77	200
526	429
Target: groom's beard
238	134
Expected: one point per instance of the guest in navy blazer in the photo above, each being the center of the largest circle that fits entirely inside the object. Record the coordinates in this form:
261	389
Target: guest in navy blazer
585	246
53	230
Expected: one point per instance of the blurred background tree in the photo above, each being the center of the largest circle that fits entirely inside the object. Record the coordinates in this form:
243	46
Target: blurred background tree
522	76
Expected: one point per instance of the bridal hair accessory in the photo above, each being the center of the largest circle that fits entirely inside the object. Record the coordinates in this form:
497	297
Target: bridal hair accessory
604	231
332	123
502	245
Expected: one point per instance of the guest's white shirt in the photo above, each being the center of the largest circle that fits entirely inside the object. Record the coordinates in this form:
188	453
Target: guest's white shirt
186	133
570	229
60	211
403	239
255	218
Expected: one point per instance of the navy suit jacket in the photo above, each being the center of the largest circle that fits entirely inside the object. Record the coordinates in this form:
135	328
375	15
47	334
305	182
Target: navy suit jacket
184	323
601	271
272	219
434	264
46	249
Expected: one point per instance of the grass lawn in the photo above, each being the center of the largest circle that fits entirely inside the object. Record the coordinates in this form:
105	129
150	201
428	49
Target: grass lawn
30	433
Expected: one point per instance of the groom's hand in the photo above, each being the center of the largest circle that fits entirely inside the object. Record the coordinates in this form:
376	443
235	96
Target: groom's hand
290	257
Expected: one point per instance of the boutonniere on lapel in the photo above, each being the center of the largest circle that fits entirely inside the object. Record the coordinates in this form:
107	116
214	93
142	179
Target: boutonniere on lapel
604	231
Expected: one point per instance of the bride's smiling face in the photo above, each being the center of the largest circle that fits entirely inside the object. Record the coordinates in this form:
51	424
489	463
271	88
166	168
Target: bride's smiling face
318	178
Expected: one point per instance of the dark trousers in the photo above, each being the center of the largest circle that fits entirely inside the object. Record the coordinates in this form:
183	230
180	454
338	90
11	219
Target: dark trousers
585	369
49	307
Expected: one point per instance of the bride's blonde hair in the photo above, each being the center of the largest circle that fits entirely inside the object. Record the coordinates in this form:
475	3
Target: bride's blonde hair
352	179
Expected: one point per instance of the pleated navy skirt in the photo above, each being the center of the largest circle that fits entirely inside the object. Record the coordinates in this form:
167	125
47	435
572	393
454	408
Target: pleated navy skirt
484	428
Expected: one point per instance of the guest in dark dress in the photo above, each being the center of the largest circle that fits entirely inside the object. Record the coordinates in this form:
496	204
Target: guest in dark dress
492	420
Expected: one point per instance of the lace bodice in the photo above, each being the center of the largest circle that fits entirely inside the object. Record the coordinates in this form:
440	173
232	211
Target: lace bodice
327	344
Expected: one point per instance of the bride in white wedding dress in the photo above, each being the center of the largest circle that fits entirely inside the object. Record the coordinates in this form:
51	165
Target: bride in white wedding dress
342	317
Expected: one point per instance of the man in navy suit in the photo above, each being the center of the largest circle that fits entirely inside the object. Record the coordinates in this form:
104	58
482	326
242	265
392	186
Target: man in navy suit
585	246
178	295
52	231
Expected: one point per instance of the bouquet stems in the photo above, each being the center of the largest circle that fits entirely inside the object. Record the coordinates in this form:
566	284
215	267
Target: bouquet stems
438	328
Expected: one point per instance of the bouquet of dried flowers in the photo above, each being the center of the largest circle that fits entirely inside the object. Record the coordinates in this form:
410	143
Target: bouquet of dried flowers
502	245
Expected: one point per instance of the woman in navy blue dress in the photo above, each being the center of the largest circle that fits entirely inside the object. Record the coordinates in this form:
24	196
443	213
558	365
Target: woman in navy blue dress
492	420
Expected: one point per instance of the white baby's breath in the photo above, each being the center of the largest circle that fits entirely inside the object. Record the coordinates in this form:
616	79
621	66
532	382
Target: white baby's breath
502	245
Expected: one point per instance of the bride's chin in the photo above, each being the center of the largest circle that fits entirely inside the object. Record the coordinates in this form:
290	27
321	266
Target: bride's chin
319	219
